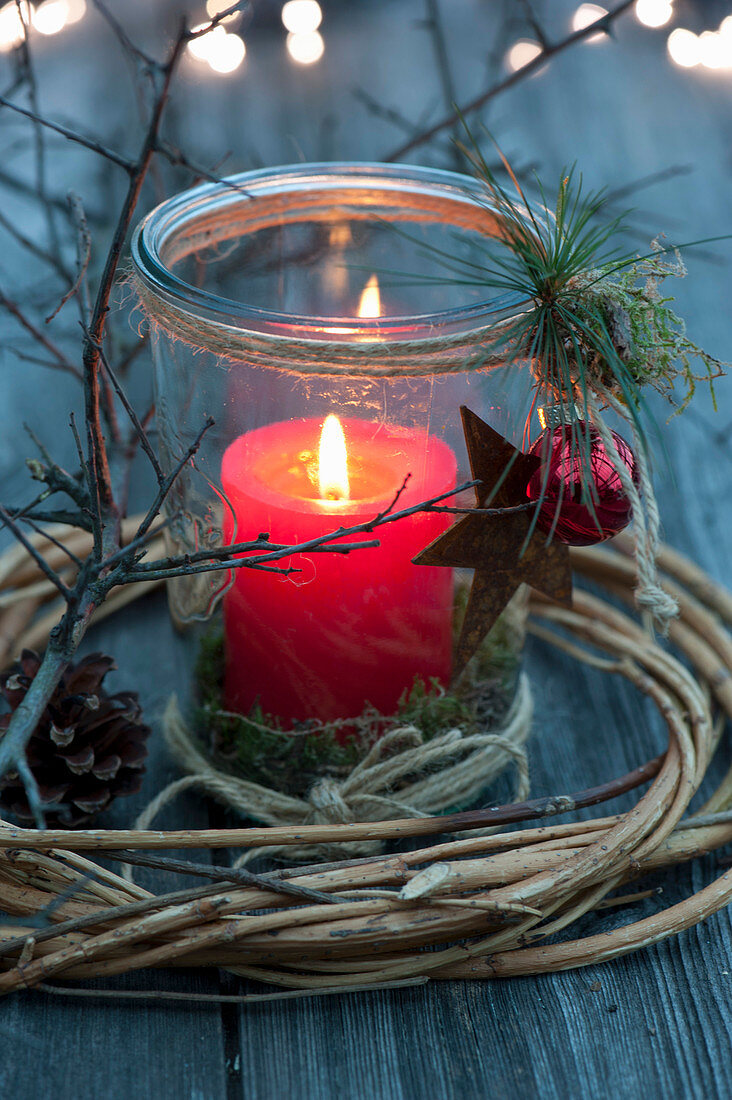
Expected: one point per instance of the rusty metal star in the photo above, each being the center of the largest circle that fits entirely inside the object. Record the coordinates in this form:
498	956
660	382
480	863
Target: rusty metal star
497	547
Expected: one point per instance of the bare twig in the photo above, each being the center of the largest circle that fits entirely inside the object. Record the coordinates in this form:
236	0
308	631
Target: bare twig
535	25
50	537
83	254
32	246
237	875
123	38
89	589
547	53
224	998
38	558
61	362
58	202
28	69
71	135
182	565
437	33
167	483
138	428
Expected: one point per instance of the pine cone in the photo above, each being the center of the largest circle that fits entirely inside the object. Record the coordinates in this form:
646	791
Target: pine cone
87	749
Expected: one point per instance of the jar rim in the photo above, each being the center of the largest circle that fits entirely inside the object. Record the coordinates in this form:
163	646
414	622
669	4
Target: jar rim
156	230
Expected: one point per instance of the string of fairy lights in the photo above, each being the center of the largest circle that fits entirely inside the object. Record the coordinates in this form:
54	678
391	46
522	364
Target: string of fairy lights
223	49
712	49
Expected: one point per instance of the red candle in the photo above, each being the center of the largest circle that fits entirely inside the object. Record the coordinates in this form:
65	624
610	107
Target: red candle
346	630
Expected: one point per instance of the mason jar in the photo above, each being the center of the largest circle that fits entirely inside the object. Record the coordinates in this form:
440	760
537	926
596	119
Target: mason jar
321	317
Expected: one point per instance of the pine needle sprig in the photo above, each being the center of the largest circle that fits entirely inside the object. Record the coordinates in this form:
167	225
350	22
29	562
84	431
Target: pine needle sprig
594	316
589	319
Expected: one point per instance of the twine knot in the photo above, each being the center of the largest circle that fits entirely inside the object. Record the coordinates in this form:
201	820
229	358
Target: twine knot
403	774
329	807
664	608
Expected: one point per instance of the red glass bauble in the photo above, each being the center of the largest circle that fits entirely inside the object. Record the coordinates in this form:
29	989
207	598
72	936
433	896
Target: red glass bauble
565	464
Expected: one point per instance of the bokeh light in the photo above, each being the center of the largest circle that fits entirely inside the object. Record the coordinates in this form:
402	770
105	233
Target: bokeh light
11	24
200	47
228	54
585	15
653	13
305	47
302	16
683	48
522	53
215	7
76	10
51	17
222	52
713	50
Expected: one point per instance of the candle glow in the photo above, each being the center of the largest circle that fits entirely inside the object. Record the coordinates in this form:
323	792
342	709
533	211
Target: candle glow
333	461
370	301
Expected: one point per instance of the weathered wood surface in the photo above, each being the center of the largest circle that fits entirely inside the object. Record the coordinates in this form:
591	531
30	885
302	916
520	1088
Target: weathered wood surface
656	1024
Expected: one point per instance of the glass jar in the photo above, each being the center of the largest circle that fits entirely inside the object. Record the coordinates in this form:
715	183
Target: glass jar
312	307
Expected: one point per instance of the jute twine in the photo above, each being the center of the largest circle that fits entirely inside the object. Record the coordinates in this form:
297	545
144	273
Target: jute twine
403	775
364	348
650	597
475	348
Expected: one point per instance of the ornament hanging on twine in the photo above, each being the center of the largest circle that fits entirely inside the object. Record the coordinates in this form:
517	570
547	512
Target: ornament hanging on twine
577	488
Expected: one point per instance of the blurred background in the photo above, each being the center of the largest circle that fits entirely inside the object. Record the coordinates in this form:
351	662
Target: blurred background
644	111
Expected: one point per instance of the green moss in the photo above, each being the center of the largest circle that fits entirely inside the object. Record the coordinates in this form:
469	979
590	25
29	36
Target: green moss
650	337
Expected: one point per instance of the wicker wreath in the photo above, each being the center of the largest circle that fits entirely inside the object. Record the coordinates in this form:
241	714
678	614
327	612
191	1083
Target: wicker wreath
476	906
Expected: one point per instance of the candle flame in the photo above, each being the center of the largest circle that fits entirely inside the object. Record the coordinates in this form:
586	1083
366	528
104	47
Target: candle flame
370	303
333	461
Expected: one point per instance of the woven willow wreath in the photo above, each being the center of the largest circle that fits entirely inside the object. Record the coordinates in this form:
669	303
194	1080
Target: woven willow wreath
488	903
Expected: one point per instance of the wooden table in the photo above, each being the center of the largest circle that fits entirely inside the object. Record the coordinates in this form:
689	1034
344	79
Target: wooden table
656	1024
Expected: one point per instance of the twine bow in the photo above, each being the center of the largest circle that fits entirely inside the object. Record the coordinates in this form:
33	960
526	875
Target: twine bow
402	775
